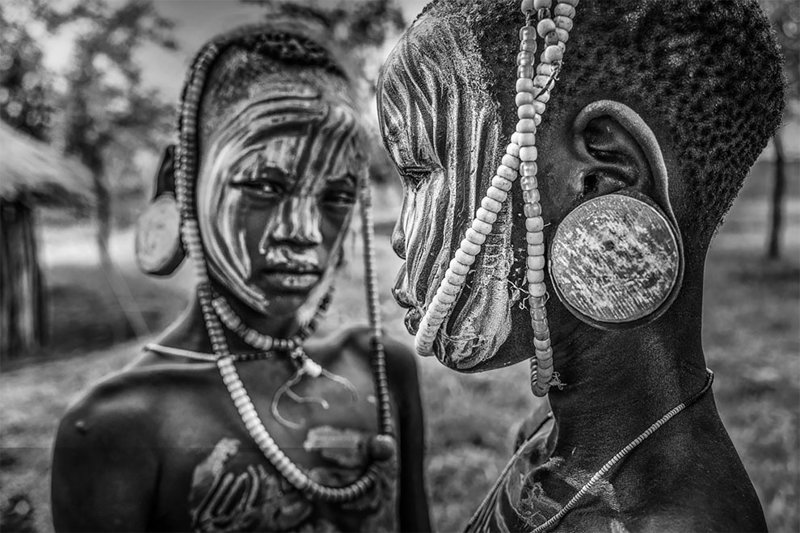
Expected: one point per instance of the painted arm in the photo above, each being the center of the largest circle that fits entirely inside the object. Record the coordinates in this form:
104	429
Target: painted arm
413	504
104	469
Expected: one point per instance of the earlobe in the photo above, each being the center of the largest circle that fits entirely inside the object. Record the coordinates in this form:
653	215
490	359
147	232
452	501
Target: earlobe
159	250
616	260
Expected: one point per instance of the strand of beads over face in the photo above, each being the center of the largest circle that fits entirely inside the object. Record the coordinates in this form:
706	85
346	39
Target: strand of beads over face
519	161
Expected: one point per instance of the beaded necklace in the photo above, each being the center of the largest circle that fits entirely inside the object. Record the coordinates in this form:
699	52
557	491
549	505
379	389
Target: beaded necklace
205	357
264	342
383	445
533	92
292	346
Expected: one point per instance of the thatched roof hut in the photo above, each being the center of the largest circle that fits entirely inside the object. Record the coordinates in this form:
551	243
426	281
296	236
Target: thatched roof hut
33	170
32	174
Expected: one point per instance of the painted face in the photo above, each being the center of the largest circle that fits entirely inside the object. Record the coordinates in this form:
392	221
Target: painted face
443	132
441	124
277	185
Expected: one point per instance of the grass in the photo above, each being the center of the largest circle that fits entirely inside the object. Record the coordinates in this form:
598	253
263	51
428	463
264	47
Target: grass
751	335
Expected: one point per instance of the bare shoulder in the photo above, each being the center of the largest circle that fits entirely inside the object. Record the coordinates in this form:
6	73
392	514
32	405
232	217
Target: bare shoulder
121	407
109	411
106	454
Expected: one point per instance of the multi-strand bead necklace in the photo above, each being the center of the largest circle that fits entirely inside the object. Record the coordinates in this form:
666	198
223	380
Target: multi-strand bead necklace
383	445
233	322
533	92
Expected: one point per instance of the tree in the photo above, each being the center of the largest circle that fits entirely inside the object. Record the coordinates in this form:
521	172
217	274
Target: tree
25	85
785	18
105	105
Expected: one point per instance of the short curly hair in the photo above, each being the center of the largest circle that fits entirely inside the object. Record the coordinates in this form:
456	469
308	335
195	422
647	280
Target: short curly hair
248	52
708	72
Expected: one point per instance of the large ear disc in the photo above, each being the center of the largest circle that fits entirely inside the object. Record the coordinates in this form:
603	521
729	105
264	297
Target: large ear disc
158	240
159	250
616	261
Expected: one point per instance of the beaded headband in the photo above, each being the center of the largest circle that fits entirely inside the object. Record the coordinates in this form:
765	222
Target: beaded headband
533	92
383	446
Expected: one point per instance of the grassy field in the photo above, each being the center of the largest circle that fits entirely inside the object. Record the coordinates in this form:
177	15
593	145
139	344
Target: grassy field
751	333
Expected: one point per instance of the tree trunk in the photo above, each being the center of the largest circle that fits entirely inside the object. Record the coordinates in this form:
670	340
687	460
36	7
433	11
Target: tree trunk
22	309
778	192
103	212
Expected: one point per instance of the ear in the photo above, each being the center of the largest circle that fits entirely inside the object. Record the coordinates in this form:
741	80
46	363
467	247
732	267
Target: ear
159	250
619	152
616	259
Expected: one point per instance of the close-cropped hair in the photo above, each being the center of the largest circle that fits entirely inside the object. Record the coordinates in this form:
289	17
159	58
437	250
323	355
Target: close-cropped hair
707	72
278	46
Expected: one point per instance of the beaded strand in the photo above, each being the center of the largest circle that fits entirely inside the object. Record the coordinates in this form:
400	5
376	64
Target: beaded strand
233	322
185	173
533	92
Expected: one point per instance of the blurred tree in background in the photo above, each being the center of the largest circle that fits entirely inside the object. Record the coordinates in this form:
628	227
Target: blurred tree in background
106	110
785	18
25	86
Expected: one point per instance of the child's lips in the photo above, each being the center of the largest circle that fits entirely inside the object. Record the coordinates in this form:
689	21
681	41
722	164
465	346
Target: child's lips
291	278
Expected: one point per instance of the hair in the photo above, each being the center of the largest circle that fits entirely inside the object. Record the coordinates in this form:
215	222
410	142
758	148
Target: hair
707	72
249	52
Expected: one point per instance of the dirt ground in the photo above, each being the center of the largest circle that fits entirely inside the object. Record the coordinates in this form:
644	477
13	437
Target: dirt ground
751	336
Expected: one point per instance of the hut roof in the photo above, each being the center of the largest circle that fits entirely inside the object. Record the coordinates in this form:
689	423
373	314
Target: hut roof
32	169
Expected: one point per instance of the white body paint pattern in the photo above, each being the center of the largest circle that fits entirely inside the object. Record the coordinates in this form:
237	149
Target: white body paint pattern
520	502
432	116
229	493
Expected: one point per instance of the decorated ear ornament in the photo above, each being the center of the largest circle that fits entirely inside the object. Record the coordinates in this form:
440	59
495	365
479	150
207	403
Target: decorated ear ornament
616	260
158	246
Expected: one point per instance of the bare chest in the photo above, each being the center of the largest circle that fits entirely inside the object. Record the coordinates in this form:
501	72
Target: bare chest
216	479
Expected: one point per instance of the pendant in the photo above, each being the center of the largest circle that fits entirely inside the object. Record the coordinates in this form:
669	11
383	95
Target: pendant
310	368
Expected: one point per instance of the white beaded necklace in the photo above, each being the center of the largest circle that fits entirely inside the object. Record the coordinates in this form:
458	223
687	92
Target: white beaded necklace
258	340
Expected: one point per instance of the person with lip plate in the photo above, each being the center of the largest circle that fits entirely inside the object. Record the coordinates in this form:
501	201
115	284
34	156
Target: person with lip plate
234	419
565	166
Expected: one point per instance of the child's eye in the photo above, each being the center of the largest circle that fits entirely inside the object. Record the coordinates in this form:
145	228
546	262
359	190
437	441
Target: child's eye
340	198
341	193
264	181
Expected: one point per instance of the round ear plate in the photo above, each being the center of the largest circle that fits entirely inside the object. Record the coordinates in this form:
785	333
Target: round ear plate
158	240
615	260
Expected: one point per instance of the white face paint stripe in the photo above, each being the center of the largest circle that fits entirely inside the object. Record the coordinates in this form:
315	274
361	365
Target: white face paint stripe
279	131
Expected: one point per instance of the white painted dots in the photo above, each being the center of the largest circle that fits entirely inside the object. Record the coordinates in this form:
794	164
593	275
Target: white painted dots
533	88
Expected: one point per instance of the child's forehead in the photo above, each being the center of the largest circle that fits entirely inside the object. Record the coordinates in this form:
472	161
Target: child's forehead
284	106
307	93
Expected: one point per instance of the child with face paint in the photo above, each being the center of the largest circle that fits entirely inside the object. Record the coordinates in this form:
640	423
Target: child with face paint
233	420
565	166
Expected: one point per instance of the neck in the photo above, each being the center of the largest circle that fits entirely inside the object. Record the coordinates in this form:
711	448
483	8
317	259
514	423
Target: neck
617	383
189	330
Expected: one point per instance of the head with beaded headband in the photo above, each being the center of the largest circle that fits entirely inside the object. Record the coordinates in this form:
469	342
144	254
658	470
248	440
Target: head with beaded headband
576	186
272	159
